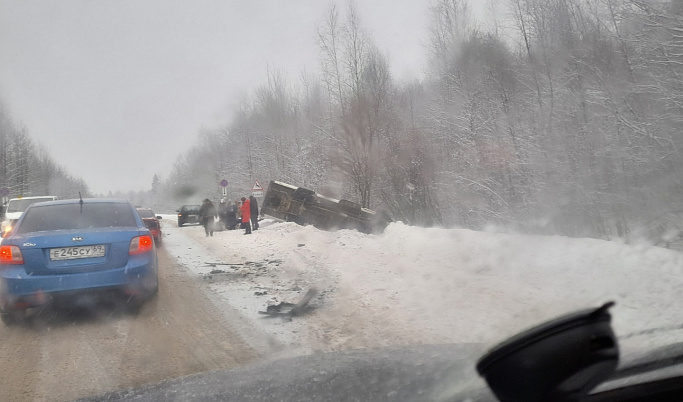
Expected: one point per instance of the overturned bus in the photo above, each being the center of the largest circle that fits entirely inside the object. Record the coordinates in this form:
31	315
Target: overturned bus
306	207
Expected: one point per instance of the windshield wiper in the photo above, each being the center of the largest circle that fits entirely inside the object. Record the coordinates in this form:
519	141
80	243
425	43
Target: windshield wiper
566	358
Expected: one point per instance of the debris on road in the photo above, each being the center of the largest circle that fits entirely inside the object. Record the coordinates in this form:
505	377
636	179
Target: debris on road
289	310
213	264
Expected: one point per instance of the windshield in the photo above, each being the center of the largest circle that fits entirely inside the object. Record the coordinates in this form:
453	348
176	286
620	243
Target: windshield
152	224
75	216
21	205
146	213
367	176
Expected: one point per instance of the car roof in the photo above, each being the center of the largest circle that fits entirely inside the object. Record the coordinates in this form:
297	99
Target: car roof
85	201
33	198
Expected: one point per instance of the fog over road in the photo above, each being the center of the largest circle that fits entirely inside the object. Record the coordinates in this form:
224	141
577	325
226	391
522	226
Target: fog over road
61	356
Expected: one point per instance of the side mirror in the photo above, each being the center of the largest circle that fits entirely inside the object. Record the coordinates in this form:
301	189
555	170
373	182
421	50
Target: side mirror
561	360
159	217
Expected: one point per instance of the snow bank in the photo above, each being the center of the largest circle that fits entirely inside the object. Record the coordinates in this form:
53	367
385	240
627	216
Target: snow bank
415	285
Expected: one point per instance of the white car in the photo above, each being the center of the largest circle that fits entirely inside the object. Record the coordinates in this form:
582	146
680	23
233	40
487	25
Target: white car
16	207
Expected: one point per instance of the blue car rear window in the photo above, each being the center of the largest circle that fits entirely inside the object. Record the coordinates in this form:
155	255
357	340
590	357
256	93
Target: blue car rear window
72	216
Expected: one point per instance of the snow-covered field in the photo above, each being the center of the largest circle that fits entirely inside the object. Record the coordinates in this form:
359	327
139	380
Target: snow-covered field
423	286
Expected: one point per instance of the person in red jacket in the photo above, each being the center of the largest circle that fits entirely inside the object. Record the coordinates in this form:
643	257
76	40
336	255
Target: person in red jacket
246	216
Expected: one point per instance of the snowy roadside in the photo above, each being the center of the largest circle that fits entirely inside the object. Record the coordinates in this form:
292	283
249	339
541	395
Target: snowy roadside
241	289
424	286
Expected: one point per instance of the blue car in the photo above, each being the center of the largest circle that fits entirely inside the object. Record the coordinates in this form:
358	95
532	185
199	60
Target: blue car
65	251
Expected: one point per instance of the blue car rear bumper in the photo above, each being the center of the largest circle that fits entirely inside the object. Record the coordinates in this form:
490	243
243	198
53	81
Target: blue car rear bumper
139	276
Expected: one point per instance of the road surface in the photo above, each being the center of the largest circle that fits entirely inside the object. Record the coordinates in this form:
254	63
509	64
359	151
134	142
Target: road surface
61	356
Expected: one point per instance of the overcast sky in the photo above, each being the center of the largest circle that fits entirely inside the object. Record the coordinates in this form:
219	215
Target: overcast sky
116	90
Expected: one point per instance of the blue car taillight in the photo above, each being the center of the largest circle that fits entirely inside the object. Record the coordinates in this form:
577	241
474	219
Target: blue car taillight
140	244
10	255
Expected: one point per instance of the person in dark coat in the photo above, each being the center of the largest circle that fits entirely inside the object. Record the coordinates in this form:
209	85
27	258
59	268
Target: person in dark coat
254	212
207	213
246	216
232	215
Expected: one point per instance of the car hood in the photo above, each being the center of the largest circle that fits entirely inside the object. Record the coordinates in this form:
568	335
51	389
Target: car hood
435	372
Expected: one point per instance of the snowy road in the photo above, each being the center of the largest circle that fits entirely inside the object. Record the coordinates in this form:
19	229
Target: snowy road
63	358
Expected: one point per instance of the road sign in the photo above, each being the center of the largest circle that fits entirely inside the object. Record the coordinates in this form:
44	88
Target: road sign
257	189
225	191
224	183
4	192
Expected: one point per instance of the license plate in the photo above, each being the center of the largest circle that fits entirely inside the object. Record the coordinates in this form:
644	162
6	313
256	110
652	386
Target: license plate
72	253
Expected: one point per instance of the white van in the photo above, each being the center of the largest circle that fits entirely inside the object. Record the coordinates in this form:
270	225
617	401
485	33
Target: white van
16	207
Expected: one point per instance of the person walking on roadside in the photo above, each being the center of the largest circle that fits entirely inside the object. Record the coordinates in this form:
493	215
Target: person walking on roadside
253	204
207	213
246	216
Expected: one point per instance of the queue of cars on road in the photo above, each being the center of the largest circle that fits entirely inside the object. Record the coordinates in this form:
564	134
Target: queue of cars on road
64	252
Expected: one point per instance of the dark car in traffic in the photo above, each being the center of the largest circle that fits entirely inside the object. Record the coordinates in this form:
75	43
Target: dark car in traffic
63	251
152	222
188	214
